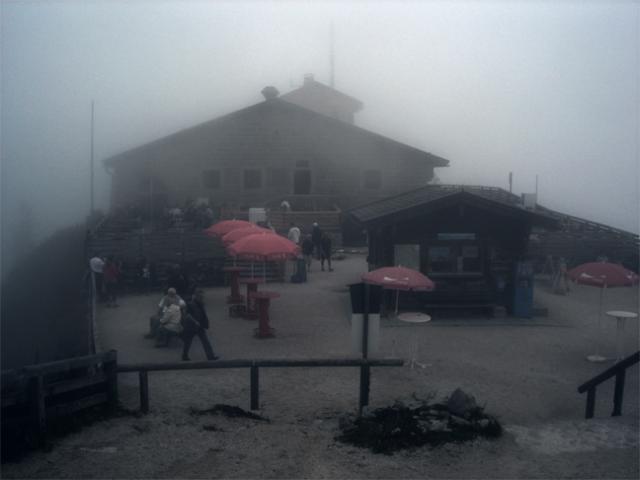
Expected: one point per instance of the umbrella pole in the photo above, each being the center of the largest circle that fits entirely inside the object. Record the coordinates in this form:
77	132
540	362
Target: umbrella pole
597	357
264	271
397	295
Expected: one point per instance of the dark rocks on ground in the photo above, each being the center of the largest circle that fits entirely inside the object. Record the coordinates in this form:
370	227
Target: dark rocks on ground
386	430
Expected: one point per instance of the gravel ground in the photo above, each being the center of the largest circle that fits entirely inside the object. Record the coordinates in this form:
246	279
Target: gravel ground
525	372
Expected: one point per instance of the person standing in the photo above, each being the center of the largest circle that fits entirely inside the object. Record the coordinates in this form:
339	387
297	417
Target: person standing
111	273
307	250
325	251
316	236
96	264
196	323
294	234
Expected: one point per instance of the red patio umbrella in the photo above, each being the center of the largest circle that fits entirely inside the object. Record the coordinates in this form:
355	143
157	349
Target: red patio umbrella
603	275
399	278
263	247
225	226
238	233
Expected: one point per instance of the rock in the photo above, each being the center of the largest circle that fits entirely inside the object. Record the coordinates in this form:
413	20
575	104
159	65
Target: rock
484	423
461	404
459	422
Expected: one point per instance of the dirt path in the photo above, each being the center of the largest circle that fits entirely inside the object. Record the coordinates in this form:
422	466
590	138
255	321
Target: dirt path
525	371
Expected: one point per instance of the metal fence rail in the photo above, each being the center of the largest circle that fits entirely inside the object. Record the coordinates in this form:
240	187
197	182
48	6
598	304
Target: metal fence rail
254	365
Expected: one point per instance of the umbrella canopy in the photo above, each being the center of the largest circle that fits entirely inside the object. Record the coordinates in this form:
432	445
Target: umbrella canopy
603	274
264	246
399	278
238	233
225	226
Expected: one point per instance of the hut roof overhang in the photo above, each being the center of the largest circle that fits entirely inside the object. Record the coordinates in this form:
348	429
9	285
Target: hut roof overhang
431	198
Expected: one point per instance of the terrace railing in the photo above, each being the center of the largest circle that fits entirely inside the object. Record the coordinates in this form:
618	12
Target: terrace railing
254	366
619	371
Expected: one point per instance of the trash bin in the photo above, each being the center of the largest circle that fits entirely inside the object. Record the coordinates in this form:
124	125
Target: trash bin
356	292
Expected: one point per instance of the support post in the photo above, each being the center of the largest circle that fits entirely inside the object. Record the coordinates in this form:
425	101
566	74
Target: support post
365	322
143	376
591	403
365	377
618	393
111	372
38	409
255	388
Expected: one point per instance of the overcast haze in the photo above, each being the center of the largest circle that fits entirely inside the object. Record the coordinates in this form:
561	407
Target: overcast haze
540	88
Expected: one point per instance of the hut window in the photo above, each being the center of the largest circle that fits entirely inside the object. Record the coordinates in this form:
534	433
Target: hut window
211	179
372	179
454	258
252	179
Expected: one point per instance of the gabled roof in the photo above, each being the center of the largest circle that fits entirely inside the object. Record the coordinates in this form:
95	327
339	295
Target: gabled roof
417	202
313	90
276	105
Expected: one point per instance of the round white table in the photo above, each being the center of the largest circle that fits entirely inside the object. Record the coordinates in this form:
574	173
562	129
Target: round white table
621	316
414	317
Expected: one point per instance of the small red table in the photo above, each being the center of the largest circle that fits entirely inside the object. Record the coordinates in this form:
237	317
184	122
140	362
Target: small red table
263	299
252	287
234	275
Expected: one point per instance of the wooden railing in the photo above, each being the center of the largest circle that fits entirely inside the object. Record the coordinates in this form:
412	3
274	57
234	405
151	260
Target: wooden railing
36	393
254	365
619	371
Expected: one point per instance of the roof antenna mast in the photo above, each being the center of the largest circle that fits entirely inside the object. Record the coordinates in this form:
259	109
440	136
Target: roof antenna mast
331	83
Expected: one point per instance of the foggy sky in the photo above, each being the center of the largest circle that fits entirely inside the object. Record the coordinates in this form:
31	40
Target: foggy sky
538	88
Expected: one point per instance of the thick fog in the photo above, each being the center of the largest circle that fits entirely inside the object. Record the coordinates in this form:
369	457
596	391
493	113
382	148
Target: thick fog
537	88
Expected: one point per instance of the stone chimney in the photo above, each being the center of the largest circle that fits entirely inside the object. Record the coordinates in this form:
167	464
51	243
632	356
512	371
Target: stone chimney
270	92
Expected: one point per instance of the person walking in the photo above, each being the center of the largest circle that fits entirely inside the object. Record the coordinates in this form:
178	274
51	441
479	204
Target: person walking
196	323
325	251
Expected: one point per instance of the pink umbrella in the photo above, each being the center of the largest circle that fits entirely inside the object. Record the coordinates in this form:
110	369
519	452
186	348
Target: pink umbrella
264	246
225	226
602	275
399	278
238	233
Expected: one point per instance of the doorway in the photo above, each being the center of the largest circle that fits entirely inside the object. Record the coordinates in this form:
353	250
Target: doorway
302	182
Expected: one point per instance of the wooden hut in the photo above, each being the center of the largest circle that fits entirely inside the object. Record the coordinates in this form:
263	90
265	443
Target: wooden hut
471	241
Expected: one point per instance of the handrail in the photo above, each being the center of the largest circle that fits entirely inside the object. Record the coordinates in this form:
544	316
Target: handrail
619	371
610	372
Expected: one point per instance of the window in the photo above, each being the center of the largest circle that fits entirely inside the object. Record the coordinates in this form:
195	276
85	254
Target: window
211	179
252	179
454	258
372	179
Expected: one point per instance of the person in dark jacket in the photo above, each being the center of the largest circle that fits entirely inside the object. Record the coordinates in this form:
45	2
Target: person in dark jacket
316	236
325	251
196	323
307	251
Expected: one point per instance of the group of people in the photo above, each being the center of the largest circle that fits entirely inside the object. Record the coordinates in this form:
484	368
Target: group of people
317	243
105	274
186	320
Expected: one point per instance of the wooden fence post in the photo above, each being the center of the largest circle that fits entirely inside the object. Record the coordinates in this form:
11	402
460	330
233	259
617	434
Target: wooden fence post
38	409
255	388
591	402
144	391
111	372
364	386
618	393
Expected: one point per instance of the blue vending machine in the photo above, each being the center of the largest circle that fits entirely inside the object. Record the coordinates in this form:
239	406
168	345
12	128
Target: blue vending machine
523	290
